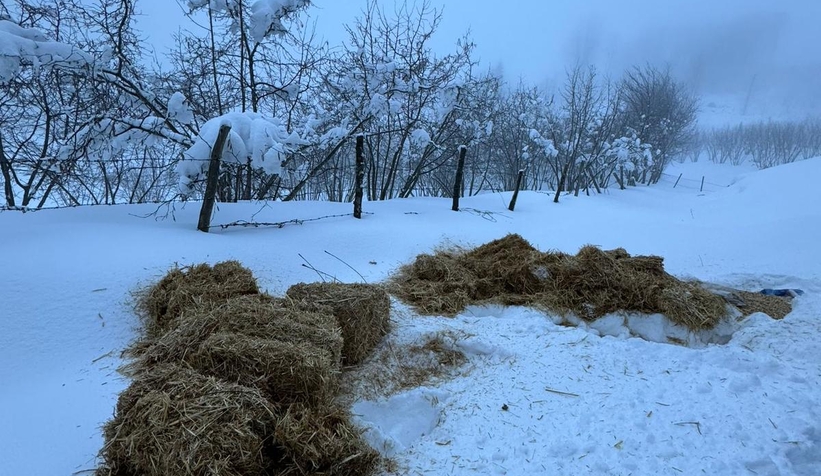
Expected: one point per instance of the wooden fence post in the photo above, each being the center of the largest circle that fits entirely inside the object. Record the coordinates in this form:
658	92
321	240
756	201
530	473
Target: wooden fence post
360	176
460	171
516	190
211	180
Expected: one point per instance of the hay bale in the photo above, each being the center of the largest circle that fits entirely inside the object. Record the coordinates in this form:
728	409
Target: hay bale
446	282
290	354
362	311
323	441
189	286
596	282
285	371
173	420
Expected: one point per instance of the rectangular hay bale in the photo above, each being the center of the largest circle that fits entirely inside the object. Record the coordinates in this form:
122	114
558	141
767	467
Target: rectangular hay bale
361	310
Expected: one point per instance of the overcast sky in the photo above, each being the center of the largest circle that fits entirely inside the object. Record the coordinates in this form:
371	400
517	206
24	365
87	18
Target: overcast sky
716	45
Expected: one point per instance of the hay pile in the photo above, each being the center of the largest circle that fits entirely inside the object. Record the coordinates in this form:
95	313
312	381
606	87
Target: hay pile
362	312
234	382
773	306
589	285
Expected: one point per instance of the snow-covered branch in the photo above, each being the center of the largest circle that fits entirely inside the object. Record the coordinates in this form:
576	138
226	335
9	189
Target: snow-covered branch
20	45
259	140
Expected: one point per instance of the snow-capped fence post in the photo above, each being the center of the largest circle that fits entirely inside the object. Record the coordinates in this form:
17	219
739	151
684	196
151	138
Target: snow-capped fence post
460	172
211	179
516	190
360	176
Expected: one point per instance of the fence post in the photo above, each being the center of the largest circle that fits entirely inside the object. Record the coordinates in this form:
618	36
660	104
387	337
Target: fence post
211	180
702	184
679	178
516	190
460	170
360	176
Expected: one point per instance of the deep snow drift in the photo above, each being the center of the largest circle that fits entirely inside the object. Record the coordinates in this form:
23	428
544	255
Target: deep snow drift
576	403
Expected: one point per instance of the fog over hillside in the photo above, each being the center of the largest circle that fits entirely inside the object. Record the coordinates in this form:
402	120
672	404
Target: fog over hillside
758	56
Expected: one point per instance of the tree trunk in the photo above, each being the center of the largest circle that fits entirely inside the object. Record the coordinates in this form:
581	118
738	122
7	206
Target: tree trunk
562	179
5	168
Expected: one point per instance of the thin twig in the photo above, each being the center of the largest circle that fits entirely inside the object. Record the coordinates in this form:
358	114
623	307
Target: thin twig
346	264
310	266
486	214
102	357
694	423
170	209
559	392
264	206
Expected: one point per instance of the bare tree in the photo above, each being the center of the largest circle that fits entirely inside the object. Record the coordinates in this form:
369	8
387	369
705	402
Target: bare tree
662	111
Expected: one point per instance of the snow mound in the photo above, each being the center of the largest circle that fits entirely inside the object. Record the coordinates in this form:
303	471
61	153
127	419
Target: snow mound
775	189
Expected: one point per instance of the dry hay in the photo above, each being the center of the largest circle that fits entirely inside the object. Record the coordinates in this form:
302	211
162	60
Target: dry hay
590	284
185	287
394	368
435	284
361	310
173	420
595	283
322	441
290	354
228	381
774	306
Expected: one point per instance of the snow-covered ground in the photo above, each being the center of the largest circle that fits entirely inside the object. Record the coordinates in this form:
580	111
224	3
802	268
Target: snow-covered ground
628	406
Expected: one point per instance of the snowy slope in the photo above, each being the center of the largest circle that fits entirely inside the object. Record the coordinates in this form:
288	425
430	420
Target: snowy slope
66	314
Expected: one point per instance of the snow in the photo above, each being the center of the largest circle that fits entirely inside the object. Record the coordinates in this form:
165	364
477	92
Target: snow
18	44
420	137
179	110
266	15
536	396
261	139
391	431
